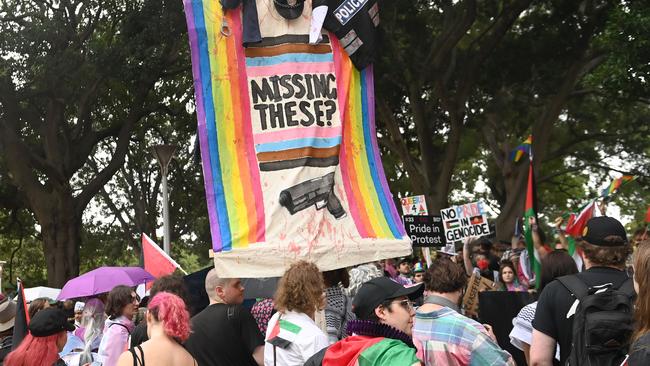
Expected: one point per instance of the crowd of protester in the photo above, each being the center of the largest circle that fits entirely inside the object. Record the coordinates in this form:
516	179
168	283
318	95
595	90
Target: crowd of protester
389	312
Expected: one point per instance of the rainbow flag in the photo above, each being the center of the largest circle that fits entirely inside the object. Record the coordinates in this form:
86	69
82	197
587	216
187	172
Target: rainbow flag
522	149
288	145
616	184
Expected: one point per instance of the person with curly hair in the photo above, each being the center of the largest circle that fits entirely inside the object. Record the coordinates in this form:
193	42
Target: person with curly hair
640	349
168	325
292	336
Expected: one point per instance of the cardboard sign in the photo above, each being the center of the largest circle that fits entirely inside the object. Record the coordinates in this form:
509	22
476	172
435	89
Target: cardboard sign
425	231
464	221
475	285
415	205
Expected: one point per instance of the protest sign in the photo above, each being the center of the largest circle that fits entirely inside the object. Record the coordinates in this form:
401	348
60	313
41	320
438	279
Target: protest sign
475	285
414	205
288	145
424	231
464	221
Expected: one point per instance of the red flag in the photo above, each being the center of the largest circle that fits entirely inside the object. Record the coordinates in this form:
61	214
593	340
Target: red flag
647	215
156	261
577	222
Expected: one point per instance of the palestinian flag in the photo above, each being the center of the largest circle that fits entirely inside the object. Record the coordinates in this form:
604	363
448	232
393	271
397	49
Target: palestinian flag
452	224
529	211
283	334
360	350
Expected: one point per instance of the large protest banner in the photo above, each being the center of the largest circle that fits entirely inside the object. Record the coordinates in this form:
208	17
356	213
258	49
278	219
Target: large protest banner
288	145
464	221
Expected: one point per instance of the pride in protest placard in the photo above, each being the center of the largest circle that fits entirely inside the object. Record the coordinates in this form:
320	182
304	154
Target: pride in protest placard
464	221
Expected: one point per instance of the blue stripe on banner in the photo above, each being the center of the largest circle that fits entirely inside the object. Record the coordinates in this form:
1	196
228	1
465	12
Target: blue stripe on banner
289	57
371	156
206	79
318	142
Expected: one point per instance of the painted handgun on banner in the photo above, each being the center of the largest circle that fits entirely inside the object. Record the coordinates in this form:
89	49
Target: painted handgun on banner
318	192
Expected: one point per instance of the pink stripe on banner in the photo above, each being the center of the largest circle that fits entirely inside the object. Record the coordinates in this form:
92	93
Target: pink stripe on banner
291	68
297	133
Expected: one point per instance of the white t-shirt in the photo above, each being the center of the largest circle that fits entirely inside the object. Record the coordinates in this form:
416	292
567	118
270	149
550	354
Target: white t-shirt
305	338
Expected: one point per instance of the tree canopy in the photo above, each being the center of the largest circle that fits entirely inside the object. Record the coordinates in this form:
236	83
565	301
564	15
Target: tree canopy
88	86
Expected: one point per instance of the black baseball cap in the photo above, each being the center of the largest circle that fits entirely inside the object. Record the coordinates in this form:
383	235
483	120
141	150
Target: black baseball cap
48	322
601	227
287	10
374	292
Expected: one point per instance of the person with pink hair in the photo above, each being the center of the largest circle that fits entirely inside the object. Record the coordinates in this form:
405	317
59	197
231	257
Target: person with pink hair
168	326
48	333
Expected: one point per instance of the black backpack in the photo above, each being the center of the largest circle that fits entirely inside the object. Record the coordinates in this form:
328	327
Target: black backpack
602	324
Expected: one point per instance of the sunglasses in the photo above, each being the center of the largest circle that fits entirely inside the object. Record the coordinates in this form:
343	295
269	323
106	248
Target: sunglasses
406	304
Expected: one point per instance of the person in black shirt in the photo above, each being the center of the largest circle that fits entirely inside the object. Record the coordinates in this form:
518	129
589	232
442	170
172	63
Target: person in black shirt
604	248
225	333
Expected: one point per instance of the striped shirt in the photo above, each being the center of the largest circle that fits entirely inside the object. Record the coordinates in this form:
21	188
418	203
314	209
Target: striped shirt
445	337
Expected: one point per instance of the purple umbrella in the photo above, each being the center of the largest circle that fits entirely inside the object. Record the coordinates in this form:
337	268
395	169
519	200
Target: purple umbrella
103	279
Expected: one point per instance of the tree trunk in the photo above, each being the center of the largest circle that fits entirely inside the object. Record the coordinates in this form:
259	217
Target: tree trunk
513	207
61	232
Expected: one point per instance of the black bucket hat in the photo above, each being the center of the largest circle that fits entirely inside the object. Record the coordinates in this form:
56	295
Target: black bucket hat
48	322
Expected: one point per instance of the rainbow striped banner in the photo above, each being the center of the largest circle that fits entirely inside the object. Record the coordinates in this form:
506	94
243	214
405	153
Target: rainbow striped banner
288	143
616	184
522	149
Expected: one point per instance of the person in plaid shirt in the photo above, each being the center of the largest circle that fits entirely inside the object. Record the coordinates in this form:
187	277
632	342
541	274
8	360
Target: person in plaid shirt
441	334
